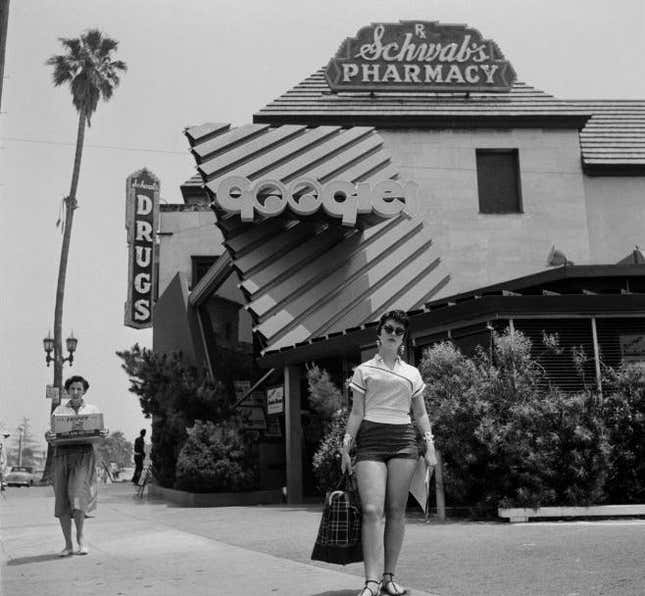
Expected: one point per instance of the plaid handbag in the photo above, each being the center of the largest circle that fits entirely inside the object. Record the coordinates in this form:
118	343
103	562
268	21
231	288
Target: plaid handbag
339	534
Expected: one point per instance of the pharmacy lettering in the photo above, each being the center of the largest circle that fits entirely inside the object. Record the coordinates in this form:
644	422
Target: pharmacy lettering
419	56
141	222
305	196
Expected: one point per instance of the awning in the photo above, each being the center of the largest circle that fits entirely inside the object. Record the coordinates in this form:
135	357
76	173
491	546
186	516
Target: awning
305	277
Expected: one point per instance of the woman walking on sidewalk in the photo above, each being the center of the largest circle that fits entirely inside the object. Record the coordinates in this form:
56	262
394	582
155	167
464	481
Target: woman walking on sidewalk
385	389
75	480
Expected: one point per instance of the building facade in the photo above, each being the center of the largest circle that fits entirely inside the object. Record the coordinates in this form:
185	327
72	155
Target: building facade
396	178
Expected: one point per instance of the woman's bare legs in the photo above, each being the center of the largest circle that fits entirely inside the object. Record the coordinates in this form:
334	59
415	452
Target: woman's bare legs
372	482
66	526
399	476
79	520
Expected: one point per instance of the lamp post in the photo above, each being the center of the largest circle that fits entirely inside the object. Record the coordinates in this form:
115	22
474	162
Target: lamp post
49	345
70	343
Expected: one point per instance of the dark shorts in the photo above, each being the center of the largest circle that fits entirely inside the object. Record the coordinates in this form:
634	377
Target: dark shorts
376	441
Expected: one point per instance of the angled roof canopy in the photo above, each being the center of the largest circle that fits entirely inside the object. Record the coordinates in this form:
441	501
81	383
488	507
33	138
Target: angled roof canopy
309	276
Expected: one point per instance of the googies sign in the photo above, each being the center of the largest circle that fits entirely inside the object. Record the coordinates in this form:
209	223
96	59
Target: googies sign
305	196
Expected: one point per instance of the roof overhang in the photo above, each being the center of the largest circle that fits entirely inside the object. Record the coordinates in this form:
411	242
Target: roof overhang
524	297
574	120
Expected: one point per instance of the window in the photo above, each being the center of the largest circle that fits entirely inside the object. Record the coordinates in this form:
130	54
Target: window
498	181
201	264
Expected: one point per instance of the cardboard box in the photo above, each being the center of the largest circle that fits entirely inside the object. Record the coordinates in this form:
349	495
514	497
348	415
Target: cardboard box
76	428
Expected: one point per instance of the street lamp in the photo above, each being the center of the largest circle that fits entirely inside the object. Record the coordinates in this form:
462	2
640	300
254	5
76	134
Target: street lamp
48	344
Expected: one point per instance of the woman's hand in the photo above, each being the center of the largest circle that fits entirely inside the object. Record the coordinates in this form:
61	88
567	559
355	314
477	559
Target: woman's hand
49	436
430	454
104	433
345	462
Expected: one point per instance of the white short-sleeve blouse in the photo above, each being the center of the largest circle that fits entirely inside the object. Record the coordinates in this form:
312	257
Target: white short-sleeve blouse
388	391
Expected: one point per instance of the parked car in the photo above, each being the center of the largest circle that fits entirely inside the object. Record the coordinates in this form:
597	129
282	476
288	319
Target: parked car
20	476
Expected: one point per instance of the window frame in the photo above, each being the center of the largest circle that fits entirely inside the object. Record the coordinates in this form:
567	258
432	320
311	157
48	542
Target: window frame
515	155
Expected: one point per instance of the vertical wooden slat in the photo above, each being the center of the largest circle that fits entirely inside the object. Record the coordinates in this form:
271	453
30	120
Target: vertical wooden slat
596	353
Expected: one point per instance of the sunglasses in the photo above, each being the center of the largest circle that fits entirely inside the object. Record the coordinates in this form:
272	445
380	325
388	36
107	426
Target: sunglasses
396	330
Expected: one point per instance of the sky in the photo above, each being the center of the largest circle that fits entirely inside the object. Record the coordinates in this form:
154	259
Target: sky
191	62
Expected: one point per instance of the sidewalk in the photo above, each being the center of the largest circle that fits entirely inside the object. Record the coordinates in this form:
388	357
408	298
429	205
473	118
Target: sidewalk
150	547
140	548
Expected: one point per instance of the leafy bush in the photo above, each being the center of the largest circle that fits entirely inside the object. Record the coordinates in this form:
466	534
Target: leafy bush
624	415
504	438
326	399
175	394
216	457
326	460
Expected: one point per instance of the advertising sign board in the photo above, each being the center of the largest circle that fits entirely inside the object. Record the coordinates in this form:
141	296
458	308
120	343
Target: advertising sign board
275	400
339	199
419	56
141	222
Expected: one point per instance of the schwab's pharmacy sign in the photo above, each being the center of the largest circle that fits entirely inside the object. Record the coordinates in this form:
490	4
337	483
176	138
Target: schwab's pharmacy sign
419	56
305	196
141	222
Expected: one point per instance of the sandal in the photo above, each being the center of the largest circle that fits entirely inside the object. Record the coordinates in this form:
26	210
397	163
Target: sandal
366	588
391	587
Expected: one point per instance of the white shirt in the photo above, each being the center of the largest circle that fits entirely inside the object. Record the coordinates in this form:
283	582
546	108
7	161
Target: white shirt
388	391
65	409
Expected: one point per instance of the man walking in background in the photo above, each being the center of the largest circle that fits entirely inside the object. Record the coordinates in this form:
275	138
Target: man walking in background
139	455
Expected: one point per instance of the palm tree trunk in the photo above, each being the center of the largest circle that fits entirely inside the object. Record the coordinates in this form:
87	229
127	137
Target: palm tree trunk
70	206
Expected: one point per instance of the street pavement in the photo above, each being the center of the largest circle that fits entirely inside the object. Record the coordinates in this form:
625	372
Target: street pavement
150	547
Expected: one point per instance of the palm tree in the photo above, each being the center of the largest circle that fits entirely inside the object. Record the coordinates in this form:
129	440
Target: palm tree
92	73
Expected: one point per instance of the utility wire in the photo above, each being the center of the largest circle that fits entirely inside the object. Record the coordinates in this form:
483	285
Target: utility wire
113	147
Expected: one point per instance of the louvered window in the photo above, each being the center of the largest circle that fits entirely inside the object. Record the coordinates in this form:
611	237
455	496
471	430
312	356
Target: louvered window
574	334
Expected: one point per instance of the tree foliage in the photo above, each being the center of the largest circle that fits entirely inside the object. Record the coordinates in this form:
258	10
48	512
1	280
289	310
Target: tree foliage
114	448
89	68
175	394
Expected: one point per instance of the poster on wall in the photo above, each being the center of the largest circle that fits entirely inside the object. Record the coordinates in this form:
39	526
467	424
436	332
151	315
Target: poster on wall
141	223
275	400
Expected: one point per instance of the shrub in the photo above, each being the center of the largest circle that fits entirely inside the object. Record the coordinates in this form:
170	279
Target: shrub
215	458
326	399
175	394
326	459
624	415
504	439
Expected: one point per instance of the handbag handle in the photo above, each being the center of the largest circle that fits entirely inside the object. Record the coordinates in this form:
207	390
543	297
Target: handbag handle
342	486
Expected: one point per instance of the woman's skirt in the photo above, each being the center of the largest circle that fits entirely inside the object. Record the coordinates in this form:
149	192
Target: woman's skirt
75	482
376	441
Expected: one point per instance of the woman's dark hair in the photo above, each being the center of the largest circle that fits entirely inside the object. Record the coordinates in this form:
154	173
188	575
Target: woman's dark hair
77	379
399	316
